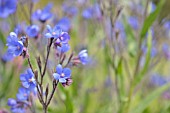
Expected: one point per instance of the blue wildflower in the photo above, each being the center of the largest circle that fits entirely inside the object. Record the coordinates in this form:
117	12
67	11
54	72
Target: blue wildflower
11	102
69	10
28	80
134	23
63	48
158	80
7	7
64	24
83	56
97	12
87	13
62	74
16	106
32	31
20	29
7	57
23	94
15	47
53	33
44	14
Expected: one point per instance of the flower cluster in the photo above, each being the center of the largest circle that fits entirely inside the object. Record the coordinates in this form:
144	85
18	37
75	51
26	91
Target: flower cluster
22	101
56	38
7	7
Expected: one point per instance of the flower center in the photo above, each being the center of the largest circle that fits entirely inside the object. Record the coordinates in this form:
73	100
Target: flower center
25	94
62	74
31	80
54	33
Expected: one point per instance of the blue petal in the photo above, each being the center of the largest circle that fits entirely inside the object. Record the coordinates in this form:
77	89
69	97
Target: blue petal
62	80
49	28
22	77
30	73
59	69
67	72
56	76
26	84
48	35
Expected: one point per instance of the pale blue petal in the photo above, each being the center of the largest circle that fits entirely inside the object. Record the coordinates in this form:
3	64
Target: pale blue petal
56	76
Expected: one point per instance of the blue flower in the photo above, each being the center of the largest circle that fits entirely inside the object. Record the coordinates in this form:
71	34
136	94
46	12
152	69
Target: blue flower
7	7
158	80
28	80
15	47
64	38
69	10
83	56
44	14
62	74
63	48
11	102
23	94
64	24
20	28
97	12
7	57
32	31
53	33
134	23
87	13
16	106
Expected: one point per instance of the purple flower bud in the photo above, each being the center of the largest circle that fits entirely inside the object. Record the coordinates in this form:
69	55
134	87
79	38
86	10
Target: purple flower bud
83	56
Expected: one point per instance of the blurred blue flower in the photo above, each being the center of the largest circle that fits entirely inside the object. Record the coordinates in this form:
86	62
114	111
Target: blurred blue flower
64	24
158	80
7	7
87	13
63	48
20	28
166	50
28	80
23	94
15	47
62	74
97	12
53	33
11	102
83	56
7	57
69	10
92	12
167	25
44	14
32	31
16	106
134	23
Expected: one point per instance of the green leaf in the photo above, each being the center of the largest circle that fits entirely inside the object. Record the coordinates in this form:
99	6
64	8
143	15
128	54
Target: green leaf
150	19
147	60
146	101
68	103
